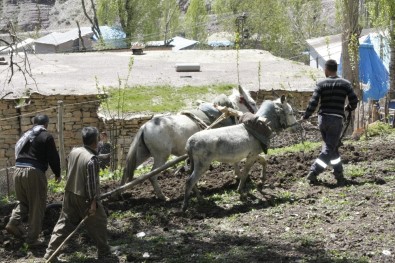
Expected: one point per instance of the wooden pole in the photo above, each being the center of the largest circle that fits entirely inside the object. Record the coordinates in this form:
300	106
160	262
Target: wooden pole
60	135
8	180
67	238
142	178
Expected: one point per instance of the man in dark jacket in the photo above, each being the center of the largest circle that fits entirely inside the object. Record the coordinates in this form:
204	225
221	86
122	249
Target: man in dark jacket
331	95
33	152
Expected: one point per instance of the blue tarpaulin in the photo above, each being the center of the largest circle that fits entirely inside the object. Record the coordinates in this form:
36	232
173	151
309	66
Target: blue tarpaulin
372	72
113	37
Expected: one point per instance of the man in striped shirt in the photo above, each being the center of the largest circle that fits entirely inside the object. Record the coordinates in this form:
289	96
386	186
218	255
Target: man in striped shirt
330	94
81	198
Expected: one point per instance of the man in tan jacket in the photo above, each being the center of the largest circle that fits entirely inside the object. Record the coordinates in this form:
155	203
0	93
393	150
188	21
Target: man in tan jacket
81	197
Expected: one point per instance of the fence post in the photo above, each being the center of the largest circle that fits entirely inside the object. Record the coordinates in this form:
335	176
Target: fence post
8	179
60	135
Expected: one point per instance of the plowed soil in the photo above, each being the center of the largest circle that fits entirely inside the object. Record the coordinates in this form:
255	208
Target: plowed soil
282	220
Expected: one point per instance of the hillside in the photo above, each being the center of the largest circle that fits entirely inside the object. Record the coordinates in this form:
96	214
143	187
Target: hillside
43	15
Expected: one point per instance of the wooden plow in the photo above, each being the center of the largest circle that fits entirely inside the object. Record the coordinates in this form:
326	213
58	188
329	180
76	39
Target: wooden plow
144	177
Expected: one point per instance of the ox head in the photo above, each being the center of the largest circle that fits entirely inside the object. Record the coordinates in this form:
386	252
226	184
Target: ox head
243	101
289	117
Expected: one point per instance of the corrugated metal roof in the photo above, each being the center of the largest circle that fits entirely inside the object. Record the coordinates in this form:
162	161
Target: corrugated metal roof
178	43
26	44
330	47
57	38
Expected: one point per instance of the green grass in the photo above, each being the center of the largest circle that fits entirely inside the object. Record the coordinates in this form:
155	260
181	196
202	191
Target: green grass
5	200
226	197
378	128
118	215
158	99
54	187
300	147
107	174
355	170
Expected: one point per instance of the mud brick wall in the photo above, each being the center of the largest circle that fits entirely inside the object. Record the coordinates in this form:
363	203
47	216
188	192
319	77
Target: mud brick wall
298	100
121	132
16	117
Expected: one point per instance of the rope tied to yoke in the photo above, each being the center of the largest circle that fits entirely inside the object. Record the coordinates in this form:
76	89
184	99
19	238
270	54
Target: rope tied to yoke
195	118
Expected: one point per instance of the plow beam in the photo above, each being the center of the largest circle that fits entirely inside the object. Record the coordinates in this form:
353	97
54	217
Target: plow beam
144	177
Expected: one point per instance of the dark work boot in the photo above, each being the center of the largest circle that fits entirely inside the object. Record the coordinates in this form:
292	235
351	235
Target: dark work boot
15	230
341	181
312	178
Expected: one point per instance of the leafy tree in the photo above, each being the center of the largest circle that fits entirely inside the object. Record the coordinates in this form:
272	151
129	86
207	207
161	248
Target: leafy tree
382	14
138	19
224	6
196	20
170	17
279	26
305	17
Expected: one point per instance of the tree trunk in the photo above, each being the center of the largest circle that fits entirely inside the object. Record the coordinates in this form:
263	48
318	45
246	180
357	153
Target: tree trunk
350	48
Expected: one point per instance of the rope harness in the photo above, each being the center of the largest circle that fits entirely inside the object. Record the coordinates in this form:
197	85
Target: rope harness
195	118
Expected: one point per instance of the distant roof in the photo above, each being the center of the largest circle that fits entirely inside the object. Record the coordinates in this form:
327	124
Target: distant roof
221	39
178	43
57	38
330	47
26	44
380	42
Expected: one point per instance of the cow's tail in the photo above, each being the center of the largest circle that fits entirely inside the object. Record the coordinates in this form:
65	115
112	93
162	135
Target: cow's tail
188	149
137	154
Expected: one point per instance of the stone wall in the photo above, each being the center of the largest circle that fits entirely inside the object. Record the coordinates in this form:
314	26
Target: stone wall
16	117
121	133
298	100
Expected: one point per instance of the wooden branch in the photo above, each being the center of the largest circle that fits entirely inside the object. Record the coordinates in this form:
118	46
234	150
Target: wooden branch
88	17
79	36
96	21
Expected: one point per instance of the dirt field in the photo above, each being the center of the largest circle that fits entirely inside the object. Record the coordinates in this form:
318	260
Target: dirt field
284	220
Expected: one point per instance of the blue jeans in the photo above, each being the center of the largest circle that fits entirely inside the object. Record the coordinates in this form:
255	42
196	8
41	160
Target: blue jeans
331	128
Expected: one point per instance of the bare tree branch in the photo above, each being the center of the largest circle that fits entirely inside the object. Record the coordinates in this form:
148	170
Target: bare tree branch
95	23
18	61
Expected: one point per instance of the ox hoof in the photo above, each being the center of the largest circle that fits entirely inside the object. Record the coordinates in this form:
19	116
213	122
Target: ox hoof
243	196
163	198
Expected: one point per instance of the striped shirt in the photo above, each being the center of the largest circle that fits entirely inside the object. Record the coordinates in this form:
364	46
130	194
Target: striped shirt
331	94
92	178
